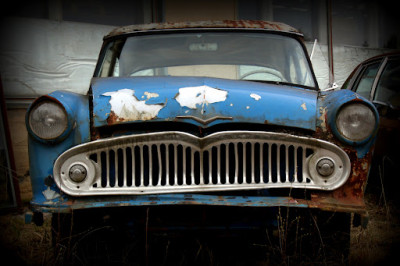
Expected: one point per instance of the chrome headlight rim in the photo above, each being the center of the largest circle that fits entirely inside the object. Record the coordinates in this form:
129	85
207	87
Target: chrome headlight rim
348	140
63	134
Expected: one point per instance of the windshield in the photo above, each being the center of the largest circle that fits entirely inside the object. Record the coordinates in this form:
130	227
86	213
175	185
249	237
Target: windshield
229	55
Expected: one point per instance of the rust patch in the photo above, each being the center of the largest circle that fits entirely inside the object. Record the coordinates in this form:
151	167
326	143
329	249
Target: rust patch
240	24
350	196
113	119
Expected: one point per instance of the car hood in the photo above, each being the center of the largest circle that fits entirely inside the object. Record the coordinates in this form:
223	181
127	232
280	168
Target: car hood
201	101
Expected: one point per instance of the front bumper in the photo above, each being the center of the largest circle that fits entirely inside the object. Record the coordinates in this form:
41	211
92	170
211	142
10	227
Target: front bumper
318	201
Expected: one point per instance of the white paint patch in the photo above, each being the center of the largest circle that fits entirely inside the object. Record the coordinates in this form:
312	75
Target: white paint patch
150	95
255	96
50	194
127	107
192	96
304	106
322	111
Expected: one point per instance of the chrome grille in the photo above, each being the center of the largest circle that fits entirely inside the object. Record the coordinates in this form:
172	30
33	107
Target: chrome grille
179	162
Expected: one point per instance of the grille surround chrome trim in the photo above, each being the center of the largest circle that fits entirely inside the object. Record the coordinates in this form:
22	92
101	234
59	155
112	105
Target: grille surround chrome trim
271	168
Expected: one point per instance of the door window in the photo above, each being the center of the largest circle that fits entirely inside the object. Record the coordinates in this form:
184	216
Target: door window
366	81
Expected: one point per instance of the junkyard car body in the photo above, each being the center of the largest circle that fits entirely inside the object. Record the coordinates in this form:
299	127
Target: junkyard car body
212	113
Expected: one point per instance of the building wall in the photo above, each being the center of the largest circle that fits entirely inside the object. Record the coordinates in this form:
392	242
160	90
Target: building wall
183	10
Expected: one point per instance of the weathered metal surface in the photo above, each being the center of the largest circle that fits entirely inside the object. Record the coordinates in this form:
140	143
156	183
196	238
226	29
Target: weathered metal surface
42	155
204	98
352	192
329	105
126	107
324	203
348	197
224	24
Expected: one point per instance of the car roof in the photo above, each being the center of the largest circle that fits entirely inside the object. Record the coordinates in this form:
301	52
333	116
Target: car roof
222	24
381	56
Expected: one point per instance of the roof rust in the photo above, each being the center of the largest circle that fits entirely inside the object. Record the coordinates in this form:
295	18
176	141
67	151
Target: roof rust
223	24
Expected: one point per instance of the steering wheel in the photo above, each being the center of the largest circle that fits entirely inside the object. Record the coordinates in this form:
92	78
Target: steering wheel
267	71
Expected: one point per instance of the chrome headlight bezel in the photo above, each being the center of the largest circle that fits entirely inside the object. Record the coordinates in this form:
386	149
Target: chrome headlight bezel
47	120
356	123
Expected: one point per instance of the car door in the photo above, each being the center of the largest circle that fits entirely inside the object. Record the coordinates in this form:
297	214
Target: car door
385	94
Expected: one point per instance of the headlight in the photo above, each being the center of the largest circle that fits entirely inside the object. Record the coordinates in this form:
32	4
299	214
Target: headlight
356	122
48	120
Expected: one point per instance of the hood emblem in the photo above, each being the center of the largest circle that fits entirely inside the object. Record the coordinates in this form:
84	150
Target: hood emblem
204	121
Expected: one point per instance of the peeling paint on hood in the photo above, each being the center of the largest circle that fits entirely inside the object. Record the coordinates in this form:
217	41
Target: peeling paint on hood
126	107
192	97
255	96
198	99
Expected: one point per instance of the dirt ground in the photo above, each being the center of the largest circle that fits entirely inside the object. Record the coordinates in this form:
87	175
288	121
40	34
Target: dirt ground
378	244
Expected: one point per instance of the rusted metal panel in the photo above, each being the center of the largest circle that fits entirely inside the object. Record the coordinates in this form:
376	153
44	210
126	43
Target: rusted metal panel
43	154
320	202
224	24
352	192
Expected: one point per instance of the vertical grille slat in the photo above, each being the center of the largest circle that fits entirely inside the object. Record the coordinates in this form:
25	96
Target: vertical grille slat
286	179
201	168
252	154
107	180
185	177
295	170
160	164
175	161
227	166
219	167
261	162
192	172
236	155
149	179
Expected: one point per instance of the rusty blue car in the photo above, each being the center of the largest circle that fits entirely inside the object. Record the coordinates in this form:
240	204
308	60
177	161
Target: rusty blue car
182	118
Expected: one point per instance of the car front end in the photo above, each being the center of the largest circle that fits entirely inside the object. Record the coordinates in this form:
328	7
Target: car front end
211	114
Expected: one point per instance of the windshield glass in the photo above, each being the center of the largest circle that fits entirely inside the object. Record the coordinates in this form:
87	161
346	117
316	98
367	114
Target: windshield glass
230	55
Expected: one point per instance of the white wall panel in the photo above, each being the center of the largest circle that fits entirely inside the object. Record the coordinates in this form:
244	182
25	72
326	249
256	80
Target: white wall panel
39	56
345	59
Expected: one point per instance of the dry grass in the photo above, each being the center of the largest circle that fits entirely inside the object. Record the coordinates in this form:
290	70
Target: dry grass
378	244
25	243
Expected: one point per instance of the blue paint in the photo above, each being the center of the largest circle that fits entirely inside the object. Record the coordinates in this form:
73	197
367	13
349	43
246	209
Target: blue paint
333	101
279	104
43	154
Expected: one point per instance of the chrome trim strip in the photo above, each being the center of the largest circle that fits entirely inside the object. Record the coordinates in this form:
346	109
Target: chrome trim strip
206	121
